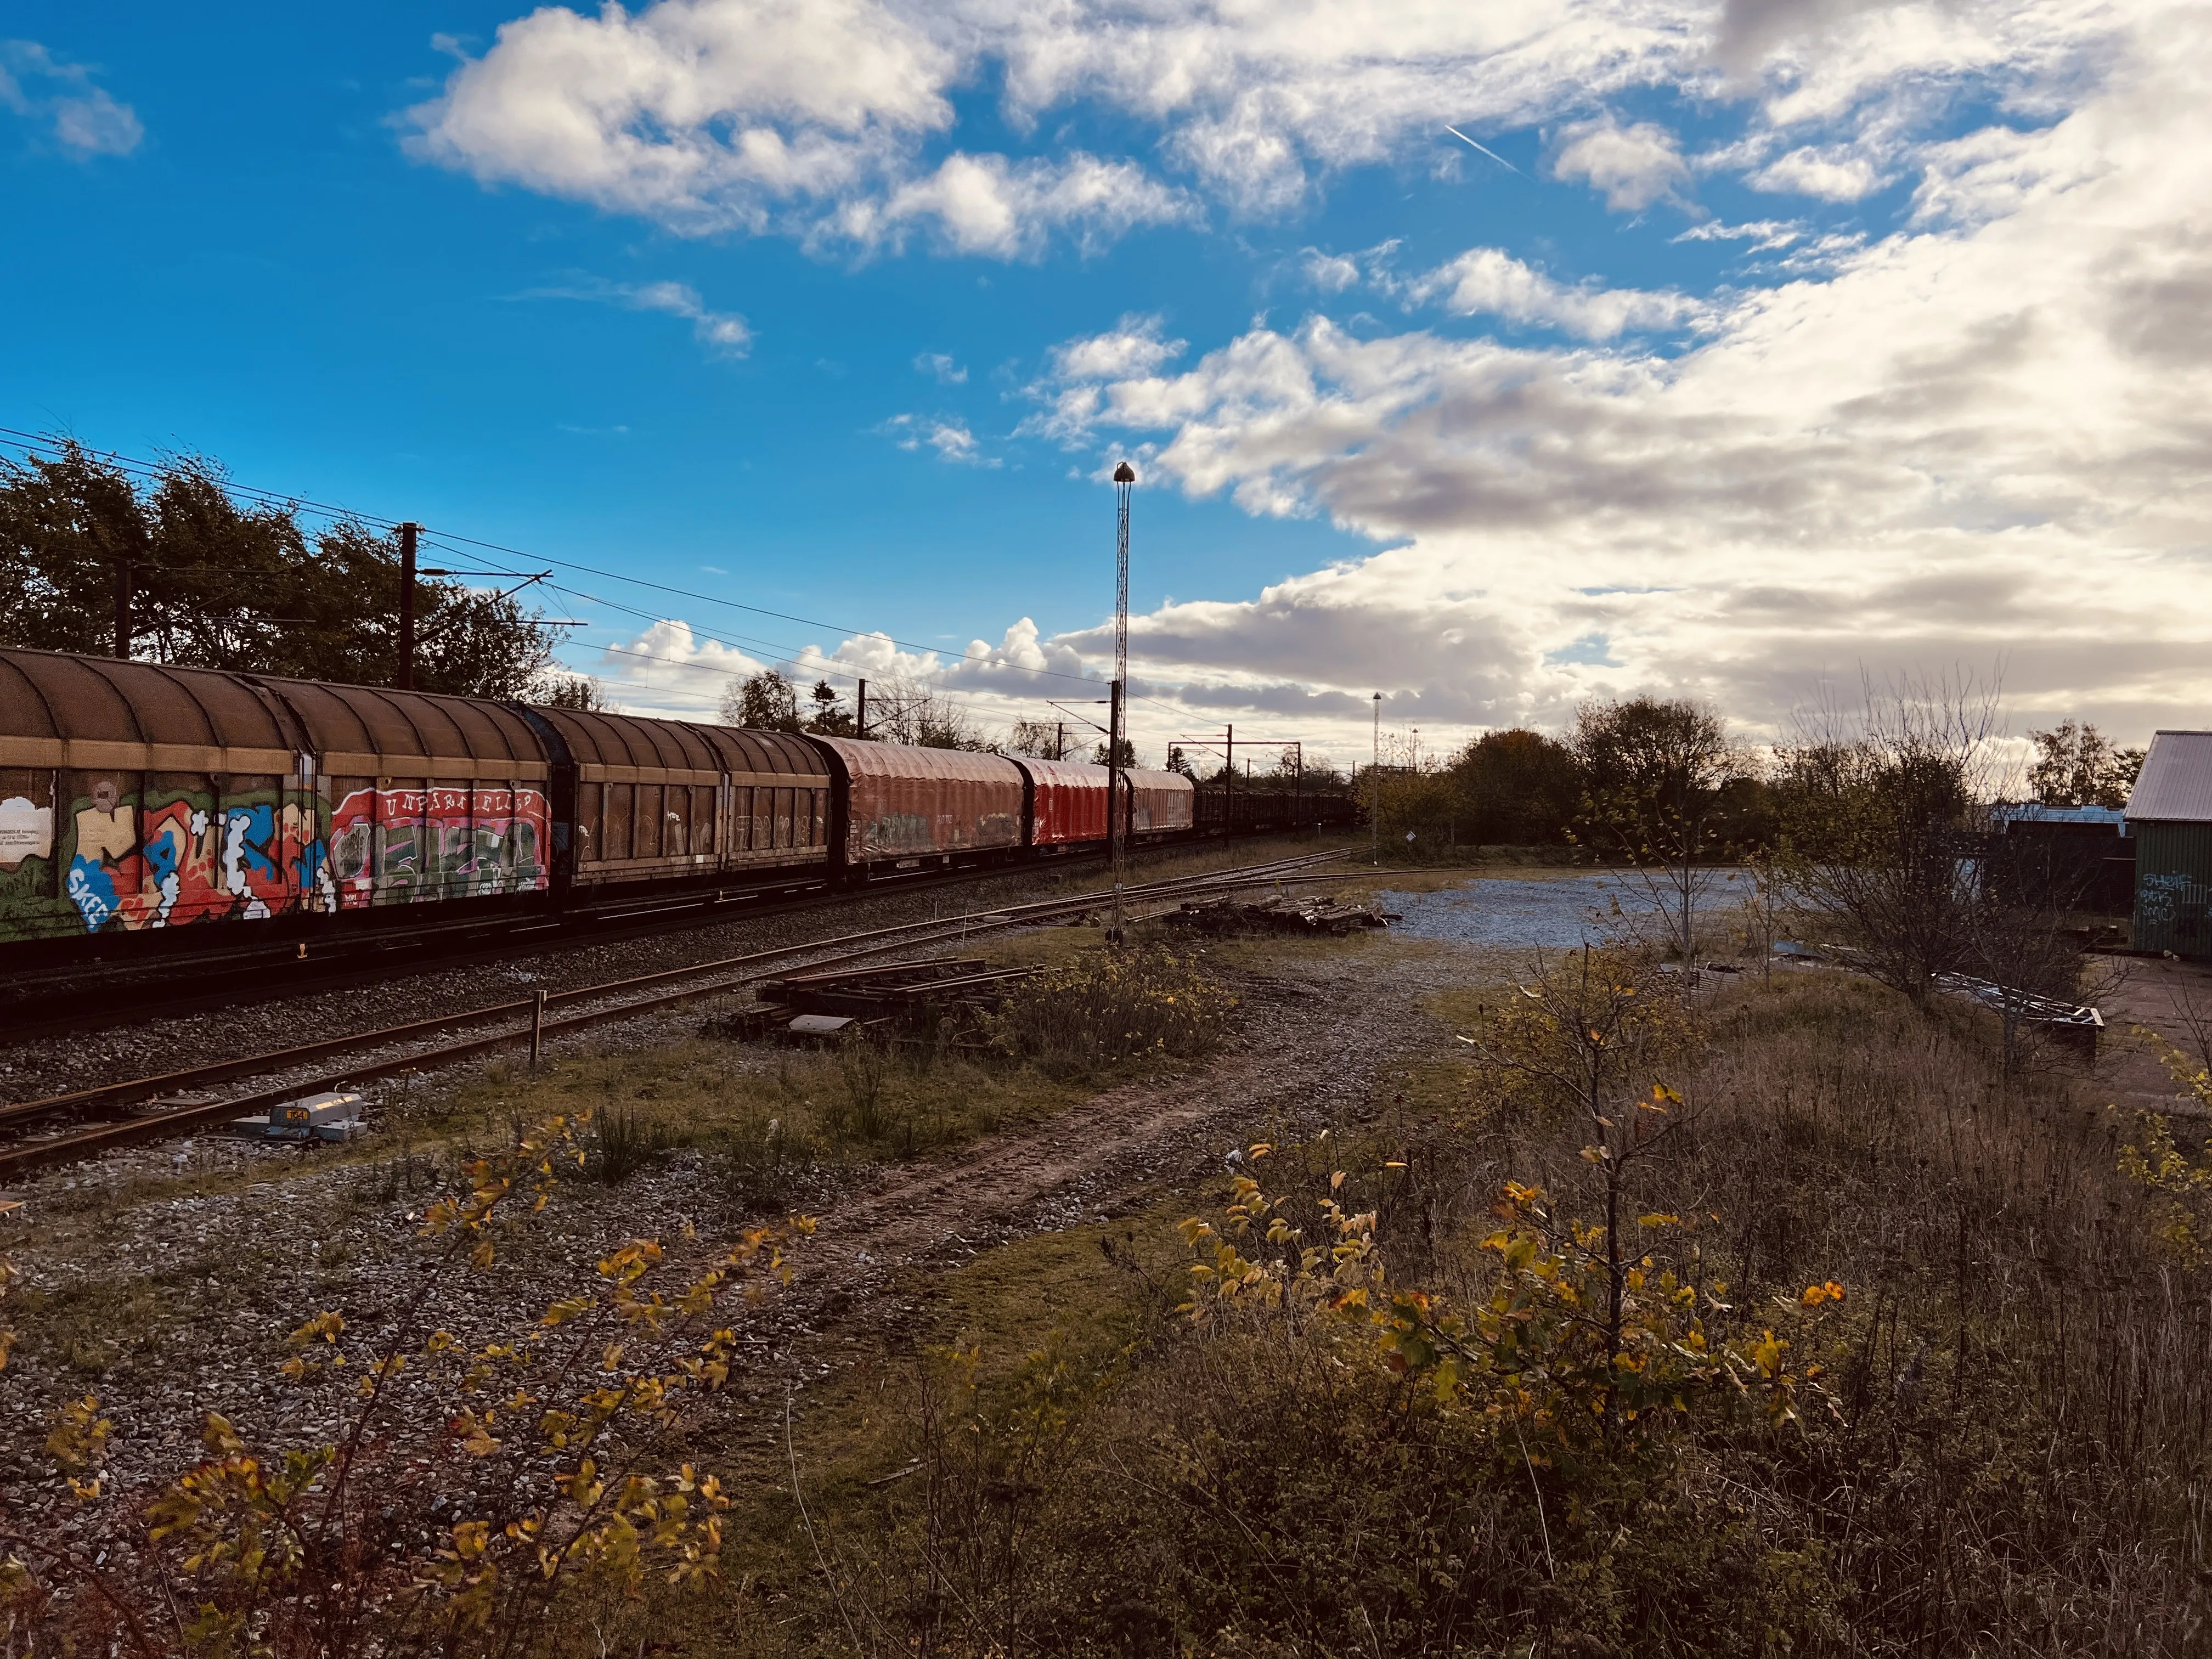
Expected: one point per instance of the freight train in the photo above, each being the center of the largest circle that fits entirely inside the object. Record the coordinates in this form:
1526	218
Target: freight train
141	802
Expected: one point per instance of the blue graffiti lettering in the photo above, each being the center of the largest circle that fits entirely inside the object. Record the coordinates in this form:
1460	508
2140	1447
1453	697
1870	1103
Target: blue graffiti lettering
93	890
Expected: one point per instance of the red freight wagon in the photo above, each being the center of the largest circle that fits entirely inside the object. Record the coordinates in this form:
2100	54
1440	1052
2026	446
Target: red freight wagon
1067	801
1159	802
902	805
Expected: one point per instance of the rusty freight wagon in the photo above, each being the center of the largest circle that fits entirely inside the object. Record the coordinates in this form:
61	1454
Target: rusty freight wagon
898	809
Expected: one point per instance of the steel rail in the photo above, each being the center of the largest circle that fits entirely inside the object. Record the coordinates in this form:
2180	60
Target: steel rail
736	972
139	1089
47	1004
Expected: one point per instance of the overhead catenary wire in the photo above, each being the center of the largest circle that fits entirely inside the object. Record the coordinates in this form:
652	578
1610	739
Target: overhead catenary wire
45	444
444	537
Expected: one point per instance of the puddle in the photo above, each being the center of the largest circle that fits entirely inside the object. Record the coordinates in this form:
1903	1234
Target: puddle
1553	915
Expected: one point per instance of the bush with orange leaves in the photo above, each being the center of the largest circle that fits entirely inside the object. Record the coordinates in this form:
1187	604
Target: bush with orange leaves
1546	1356
544	1463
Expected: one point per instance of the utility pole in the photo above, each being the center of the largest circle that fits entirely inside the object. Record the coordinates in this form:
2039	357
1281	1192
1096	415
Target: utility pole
405	679
860	719
1060	741
1124	477
1229	784
1375	789
123	608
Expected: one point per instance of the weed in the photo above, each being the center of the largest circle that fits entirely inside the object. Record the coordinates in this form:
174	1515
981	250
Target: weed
624	1140
1110	1007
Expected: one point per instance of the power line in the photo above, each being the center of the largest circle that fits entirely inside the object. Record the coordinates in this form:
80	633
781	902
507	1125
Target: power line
40	443
148	469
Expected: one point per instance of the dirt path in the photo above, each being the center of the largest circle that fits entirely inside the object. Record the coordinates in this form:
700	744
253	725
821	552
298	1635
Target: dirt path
2173	999
1315	1037
177	1299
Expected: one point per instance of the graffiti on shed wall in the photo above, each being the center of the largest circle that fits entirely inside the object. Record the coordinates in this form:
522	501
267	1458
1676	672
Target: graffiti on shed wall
437	843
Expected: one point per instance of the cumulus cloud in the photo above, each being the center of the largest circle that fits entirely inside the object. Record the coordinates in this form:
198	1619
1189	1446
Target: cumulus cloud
1488	281
674	670
1832	174
988	204
1634	165
1978	437
940	368
834	120
84	119
724	333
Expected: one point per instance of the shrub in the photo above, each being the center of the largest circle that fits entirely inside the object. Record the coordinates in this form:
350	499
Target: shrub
1111	1007
540	1472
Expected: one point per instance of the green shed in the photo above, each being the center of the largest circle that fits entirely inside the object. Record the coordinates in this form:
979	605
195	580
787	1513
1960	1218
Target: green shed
2169	818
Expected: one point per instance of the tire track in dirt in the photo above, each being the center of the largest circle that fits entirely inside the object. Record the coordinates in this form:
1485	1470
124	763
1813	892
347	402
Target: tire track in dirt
1310	1046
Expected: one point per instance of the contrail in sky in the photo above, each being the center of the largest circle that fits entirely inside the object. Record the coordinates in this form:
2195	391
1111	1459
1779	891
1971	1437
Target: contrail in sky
1491	154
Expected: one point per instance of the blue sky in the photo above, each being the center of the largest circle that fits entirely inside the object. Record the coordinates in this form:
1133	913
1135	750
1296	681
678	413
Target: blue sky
843	308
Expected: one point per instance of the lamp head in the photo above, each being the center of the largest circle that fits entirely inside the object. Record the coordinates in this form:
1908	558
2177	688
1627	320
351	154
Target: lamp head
1125	473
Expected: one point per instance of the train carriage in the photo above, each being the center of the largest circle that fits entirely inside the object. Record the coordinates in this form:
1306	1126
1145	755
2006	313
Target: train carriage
137	798
654	802
910	809
1066	803
1160	803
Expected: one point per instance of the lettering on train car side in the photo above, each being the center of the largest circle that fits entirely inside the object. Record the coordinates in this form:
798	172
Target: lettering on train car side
439	842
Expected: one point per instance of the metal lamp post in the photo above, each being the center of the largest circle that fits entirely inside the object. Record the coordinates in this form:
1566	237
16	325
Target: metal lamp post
1125	476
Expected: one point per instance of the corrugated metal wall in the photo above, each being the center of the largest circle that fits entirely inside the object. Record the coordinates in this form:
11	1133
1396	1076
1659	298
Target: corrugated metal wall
2174	882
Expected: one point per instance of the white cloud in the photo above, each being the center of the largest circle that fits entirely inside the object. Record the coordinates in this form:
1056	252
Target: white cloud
1761	233
1634	165
989	205
1832	174
724	333
940	368
834	120
84	119
1486	280
949	438
1979	437
1331	273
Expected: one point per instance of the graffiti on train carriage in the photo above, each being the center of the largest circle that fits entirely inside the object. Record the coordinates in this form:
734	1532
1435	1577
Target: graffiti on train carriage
193	857
437	842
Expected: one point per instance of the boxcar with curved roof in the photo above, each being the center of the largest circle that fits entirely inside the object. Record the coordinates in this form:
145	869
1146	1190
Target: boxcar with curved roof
659	800
140	796
899	807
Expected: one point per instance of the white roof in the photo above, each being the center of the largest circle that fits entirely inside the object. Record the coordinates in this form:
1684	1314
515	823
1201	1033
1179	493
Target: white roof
2176	782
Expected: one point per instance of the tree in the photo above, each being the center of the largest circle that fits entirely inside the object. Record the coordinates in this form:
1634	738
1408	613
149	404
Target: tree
1040	738
919	714
217	585
2077	765
1128	755
1516	788
1877	825
831	718
1655	777
766	702
1179	762
580	691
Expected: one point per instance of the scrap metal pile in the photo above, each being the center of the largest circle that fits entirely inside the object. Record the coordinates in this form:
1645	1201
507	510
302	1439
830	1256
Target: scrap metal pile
1224	918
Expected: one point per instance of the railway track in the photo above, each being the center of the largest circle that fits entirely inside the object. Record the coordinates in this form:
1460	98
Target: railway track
138	1110
91	997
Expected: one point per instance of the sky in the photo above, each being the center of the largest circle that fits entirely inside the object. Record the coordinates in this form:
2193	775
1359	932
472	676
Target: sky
1488	358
